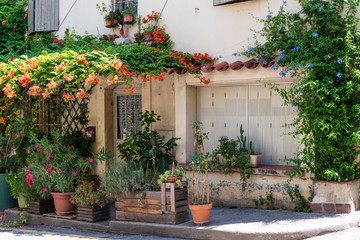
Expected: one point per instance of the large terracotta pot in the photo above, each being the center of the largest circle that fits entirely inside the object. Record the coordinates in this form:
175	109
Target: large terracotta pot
201	213
62	203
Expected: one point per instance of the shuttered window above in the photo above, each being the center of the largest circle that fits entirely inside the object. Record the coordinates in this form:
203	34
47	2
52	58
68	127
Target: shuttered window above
43	16
222	2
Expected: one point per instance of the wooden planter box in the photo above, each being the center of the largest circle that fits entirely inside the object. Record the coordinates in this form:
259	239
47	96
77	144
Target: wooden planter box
168	206
41	206
93	213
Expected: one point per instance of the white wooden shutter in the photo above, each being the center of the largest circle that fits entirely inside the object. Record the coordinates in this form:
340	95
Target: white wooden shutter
221	2
43	16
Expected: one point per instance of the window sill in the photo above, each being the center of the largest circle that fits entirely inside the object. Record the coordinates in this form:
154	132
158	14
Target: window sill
265	170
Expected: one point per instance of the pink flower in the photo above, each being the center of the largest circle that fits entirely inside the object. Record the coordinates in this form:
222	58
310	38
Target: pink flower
72	228
44	190
72	146
74	173
53	171
61	171
50	155
91	160
27	171
28	151
48	169
72	156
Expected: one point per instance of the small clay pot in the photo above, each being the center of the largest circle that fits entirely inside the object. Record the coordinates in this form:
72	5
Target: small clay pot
62	203
128	18
148	36
236	65
252	63
173	179
109	23
223	66
201	213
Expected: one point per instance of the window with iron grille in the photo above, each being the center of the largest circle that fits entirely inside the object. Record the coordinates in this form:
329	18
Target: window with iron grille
124	4
128	112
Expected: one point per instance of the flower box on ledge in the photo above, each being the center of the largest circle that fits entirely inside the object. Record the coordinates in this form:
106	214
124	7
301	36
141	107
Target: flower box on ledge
336	197
168	206
41	206
93	213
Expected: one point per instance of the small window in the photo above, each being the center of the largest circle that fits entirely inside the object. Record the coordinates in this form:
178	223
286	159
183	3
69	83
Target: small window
124	4
128	112
43	16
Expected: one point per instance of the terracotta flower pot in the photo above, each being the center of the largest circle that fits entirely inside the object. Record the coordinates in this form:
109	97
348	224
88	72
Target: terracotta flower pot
148	36
173	179
109	23
201	213
223	66
128	18
62	203
116	22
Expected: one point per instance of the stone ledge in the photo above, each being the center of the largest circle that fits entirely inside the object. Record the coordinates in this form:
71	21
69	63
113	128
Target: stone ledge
265	170
332	207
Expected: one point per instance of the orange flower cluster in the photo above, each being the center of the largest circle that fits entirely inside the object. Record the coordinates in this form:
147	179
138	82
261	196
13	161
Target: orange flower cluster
3	121
47	94
130	90
116	63
35	91
143	77
159	35
81	58
61	67
10	74
24	79
32	64
52	85
9	90
92	79
67	97
205	80
3	22
81	95
160	77
150	17
68	77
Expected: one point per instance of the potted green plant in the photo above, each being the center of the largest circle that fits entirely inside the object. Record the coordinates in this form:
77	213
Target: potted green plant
109	18
17	185
92	205
61	166
117	17
175	175
200	206
128	15
150	25
255	157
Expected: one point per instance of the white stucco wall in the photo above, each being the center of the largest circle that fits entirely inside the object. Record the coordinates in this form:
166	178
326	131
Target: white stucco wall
198	26
85	18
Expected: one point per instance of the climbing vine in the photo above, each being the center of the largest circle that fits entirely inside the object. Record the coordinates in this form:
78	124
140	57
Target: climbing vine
319	47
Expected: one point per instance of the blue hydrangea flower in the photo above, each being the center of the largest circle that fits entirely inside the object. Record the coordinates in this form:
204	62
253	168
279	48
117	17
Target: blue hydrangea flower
293	50
309	65
298	48
250	49
246	55
315	35
275	67
298	65
282	54
263	55
293	104
278	60
320	8
300	91
284	2
282	73
265	62
339	75
340	60
290	68
292	75
234	54
268	16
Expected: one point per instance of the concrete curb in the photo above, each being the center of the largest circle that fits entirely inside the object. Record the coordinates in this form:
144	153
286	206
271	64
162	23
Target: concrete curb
191	231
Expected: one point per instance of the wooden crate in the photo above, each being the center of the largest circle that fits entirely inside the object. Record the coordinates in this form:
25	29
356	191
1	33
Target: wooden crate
169	206
41	206
93	213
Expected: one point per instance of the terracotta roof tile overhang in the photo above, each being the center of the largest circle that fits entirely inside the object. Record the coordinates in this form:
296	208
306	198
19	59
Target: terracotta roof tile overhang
223	66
